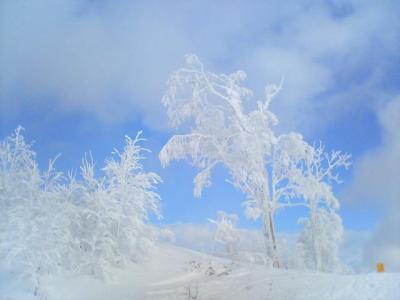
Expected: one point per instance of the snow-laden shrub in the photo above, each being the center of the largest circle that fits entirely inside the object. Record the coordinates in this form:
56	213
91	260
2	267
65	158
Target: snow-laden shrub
115	211
323	231
34	218
318	244
226	233
51	223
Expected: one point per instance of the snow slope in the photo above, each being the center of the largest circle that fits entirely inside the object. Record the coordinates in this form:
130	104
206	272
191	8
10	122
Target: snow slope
178	273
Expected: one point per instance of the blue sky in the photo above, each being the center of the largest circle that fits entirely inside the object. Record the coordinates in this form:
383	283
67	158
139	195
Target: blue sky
79	75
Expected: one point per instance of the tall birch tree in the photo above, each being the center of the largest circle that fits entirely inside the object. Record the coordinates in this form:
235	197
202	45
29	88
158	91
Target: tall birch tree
260	164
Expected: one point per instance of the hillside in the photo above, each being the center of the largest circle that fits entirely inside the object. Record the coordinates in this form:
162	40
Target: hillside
178	273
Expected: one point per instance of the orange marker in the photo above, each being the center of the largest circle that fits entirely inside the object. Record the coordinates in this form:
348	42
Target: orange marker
380	267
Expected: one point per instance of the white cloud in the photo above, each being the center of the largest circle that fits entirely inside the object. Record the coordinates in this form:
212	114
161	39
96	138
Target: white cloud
376	174
384	246
352	250
377	181
200	237
112	59
331	64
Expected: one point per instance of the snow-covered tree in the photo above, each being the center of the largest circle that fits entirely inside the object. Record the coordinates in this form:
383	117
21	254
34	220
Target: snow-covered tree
226	232
284	167
323	228
51	223
115	225
34	221
132	191
318	244
260	164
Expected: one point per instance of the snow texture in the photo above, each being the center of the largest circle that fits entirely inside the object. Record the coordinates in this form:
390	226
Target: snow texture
178	273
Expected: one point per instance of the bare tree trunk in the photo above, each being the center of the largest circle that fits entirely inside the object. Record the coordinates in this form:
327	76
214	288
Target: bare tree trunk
276	263
268	225
266	236
269	236
317	254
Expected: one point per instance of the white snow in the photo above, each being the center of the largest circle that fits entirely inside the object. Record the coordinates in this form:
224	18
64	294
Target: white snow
174	272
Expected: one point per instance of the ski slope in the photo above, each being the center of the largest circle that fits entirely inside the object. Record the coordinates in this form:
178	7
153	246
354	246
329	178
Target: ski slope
178	273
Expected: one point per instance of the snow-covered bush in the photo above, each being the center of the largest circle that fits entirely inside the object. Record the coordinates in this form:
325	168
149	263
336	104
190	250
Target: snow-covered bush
318	244
115	211
51	223
226	232
34	218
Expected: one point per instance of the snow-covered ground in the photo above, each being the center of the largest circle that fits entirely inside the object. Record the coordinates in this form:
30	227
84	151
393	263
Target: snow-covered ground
179	273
